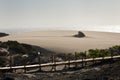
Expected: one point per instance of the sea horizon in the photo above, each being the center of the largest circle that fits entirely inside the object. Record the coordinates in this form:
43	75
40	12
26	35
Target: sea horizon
114	29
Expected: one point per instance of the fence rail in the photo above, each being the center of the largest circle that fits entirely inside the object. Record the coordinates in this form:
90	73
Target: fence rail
54	64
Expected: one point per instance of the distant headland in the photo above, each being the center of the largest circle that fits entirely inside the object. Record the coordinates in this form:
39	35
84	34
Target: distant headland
3	34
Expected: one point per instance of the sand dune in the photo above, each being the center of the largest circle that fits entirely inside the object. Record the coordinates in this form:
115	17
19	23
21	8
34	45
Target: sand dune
62	41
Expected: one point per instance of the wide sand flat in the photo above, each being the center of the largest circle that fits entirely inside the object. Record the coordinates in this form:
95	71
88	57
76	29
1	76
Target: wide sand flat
62	41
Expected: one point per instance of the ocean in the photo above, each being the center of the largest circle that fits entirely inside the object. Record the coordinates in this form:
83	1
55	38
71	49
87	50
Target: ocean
109	28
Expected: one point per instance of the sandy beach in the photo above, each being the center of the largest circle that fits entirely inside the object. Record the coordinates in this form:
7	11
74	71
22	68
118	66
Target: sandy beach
63	42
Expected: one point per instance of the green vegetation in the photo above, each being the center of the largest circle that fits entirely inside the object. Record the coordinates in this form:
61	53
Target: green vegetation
98	53
92	53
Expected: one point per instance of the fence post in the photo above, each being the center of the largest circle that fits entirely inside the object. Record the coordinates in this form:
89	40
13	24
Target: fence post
103	59
93	60
10	59
65	67
76	65
25	68
10	62
111	56
25	61
111	53
54	63
69	61
111	60
39	59
85	58
82	62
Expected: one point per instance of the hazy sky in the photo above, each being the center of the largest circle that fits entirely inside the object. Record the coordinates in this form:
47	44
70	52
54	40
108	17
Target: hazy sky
53	14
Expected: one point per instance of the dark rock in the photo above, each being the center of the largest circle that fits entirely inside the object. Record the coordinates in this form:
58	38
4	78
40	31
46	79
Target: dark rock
80	34
3	34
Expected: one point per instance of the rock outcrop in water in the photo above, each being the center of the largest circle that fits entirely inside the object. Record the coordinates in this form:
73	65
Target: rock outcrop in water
80	34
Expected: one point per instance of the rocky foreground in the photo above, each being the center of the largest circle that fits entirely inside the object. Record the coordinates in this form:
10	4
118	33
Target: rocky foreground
101	72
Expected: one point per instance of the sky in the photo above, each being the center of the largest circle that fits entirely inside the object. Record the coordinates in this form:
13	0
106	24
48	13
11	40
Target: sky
19	15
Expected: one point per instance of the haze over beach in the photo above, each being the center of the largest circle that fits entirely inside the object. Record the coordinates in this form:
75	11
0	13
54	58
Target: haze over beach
17	16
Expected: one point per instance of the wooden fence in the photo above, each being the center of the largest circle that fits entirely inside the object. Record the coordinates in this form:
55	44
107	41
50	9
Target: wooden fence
67	64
